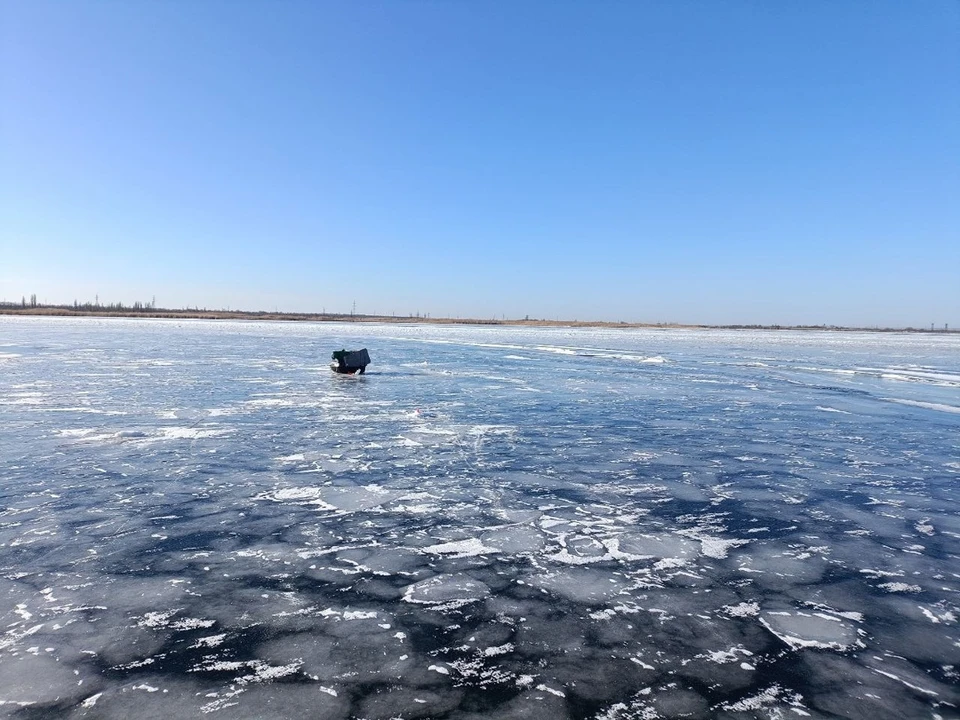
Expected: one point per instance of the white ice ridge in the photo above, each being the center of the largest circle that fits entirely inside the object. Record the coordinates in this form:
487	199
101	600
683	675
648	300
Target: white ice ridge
824	408
913	374
940	407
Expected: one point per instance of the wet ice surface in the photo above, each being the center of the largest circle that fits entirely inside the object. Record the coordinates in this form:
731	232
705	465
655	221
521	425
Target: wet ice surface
200	518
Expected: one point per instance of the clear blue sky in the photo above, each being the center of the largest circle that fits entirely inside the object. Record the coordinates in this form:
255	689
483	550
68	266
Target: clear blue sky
715	162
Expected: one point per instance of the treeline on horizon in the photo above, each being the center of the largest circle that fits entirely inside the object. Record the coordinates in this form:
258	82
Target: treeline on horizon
149	309
86	306
27	305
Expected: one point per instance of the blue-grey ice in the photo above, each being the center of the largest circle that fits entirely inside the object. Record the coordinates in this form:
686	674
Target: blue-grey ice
199	518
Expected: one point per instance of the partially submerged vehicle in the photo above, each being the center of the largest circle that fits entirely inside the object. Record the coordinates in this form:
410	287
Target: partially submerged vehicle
348	362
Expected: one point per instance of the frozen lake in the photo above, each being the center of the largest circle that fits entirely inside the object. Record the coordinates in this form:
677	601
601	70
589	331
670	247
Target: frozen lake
200	518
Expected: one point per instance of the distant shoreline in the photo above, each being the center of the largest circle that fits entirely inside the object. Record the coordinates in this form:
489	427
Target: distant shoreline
197	314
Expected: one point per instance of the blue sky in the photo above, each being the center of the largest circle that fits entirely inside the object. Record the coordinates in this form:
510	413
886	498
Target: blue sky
705	162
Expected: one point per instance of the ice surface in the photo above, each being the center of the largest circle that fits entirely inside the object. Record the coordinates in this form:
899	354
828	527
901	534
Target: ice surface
447	591
198	518
810	629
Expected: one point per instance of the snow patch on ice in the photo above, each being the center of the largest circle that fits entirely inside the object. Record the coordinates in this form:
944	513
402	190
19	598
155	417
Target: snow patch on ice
744	609
900	587
460	548
770	696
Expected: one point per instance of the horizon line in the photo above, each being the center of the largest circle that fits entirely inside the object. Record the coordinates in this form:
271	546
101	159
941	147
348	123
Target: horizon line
149	310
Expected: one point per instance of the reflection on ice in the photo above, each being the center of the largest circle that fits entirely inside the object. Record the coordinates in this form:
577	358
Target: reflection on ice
197	518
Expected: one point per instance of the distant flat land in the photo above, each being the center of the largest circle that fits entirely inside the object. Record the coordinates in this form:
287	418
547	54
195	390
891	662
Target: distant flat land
198	314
